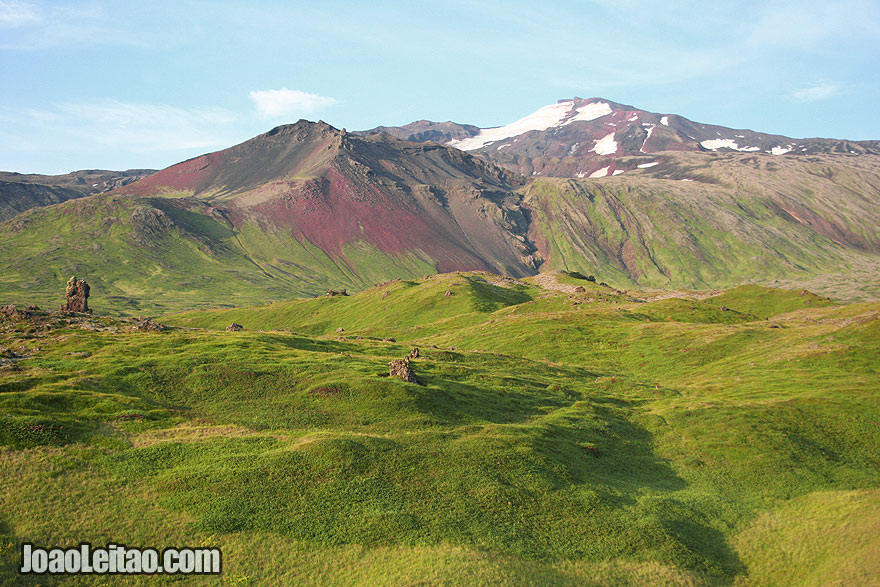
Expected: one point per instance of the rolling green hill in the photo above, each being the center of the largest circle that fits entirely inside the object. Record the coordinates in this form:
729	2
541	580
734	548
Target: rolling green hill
558	436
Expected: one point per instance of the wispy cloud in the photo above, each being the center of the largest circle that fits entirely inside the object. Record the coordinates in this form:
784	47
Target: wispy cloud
803	23
17	14
32	27
816	93
140	127
288	103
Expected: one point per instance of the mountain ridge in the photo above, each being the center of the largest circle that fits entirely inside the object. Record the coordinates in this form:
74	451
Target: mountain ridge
579	137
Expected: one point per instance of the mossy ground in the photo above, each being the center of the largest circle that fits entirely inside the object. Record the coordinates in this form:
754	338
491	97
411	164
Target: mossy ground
567	438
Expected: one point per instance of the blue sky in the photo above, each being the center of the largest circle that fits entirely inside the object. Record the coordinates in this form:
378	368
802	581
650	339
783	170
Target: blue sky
120	85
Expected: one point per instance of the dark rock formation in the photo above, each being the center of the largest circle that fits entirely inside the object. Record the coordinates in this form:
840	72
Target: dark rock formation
147	324
77	296
234	327
579	289
10	311
332	293
400	368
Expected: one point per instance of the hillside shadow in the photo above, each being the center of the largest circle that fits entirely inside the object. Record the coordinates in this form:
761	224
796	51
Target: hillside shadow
615	459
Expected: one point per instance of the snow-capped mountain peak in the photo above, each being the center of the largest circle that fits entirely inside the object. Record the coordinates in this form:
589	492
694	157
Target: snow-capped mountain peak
554	115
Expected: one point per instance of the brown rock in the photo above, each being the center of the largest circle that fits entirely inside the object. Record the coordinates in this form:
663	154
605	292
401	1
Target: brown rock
234	327
448	293
580	289
400	368
414	354
77	296
147	324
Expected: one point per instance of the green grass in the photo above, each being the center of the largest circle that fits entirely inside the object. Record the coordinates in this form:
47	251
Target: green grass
577	439
185	258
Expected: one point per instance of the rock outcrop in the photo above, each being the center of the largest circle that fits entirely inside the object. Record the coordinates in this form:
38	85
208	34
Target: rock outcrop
77	296
401	368
234	327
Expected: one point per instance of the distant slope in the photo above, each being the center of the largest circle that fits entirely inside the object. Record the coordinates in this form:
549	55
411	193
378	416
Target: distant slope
586	138
20	192
702	220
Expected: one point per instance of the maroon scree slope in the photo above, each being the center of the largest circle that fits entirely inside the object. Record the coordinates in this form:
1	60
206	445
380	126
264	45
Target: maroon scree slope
332	189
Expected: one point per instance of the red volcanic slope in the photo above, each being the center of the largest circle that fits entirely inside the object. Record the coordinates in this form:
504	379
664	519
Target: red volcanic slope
322	185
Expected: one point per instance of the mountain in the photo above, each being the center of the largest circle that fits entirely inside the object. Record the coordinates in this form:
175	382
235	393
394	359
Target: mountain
587	138
332	190
20	192
305	208
298	210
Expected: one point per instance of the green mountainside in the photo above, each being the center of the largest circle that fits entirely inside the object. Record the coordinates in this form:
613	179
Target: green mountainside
718	220
350	212
563	432
20	192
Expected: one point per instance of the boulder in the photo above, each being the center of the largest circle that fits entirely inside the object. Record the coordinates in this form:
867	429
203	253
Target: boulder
234	327
414	354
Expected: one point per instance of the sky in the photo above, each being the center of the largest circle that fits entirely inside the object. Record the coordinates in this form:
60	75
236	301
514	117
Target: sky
113	85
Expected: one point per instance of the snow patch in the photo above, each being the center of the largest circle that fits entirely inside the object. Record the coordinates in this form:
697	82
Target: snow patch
600	172
646	165
780	150
502	146
650	130
617	172
605	146
589	112
664	121
633	119
574	148
541	119
715	144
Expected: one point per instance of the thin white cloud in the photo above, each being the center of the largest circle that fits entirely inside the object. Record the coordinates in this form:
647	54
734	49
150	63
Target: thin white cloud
32	27
288	103
816	93
140	127
17	14
804	23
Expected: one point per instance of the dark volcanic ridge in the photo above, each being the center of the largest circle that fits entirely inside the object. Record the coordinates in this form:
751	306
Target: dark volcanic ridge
588	137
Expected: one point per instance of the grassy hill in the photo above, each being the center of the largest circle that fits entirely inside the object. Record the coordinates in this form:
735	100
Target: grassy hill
558	436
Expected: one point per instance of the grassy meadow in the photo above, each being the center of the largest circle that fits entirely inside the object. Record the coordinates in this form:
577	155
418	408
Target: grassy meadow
562	433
